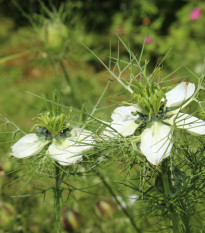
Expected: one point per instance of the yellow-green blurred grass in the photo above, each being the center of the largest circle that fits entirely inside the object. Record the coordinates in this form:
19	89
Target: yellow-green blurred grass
24	74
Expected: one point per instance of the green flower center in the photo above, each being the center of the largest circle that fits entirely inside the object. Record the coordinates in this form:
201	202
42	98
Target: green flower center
43	132
148	94
161	115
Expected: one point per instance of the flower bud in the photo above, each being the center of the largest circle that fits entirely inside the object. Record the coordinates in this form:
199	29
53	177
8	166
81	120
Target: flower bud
2	172
71	219
54	35
7	166
104	208
7	213
148	40
195	14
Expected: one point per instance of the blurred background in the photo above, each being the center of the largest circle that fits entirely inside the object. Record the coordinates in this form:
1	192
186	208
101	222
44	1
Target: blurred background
43	49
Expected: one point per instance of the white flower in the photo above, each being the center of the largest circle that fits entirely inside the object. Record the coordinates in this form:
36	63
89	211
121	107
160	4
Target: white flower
70	149
156	143
66	151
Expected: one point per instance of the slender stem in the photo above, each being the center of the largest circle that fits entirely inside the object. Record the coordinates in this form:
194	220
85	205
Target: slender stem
132	221
67	78
165	179
57	193
185	219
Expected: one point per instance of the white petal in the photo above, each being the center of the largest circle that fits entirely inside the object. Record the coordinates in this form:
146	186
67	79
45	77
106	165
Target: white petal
179	94
123	122
125	128
190	123
124	113
109	133
28	145
82	134
63	156
156	142
70	149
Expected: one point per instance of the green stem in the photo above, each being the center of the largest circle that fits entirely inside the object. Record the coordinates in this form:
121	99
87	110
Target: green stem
57	193
185	219
132	221
165	179
67	78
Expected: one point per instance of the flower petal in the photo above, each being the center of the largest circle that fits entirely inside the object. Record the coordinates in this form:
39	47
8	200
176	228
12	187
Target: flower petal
179	94
70	150
156	142
125	128
28	145
123	122
63	156
190	123
124	113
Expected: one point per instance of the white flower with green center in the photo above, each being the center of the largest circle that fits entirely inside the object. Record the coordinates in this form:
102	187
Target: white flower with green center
66	150
156	110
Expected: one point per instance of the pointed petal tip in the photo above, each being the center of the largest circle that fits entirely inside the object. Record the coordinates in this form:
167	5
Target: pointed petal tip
190	123
28	145
180	94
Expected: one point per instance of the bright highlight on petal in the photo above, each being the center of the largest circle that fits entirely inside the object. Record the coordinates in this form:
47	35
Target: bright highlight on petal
156	142
124	113
190	123
179	94
28	145
70	150
123	122
63	156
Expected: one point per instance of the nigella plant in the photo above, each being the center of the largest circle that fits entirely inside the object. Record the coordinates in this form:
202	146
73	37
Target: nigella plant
158	123
57	142
160	113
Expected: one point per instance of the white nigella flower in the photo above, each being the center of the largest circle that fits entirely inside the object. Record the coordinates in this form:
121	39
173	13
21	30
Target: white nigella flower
159	116
66	150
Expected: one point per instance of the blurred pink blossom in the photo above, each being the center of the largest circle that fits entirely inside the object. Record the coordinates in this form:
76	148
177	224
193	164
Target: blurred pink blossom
195	14
148	40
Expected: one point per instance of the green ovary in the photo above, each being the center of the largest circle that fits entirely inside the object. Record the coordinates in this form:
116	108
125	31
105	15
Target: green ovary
149	99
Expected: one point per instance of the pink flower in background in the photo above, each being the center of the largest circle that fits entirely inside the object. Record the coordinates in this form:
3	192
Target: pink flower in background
148	40
195	14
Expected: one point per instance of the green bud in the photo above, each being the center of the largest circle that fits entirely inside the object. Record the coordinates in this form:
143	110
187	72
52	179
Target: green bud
71	219
7	166
7	215
2	172
54	35
104	208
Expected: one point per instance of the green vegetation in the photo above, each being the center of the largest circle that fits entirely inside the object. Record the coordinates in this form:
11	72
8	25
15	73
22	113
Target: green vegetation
77	49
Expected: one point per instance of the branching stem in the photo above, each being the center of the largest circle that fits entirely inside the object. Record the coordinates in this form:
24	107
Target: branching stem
132	221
